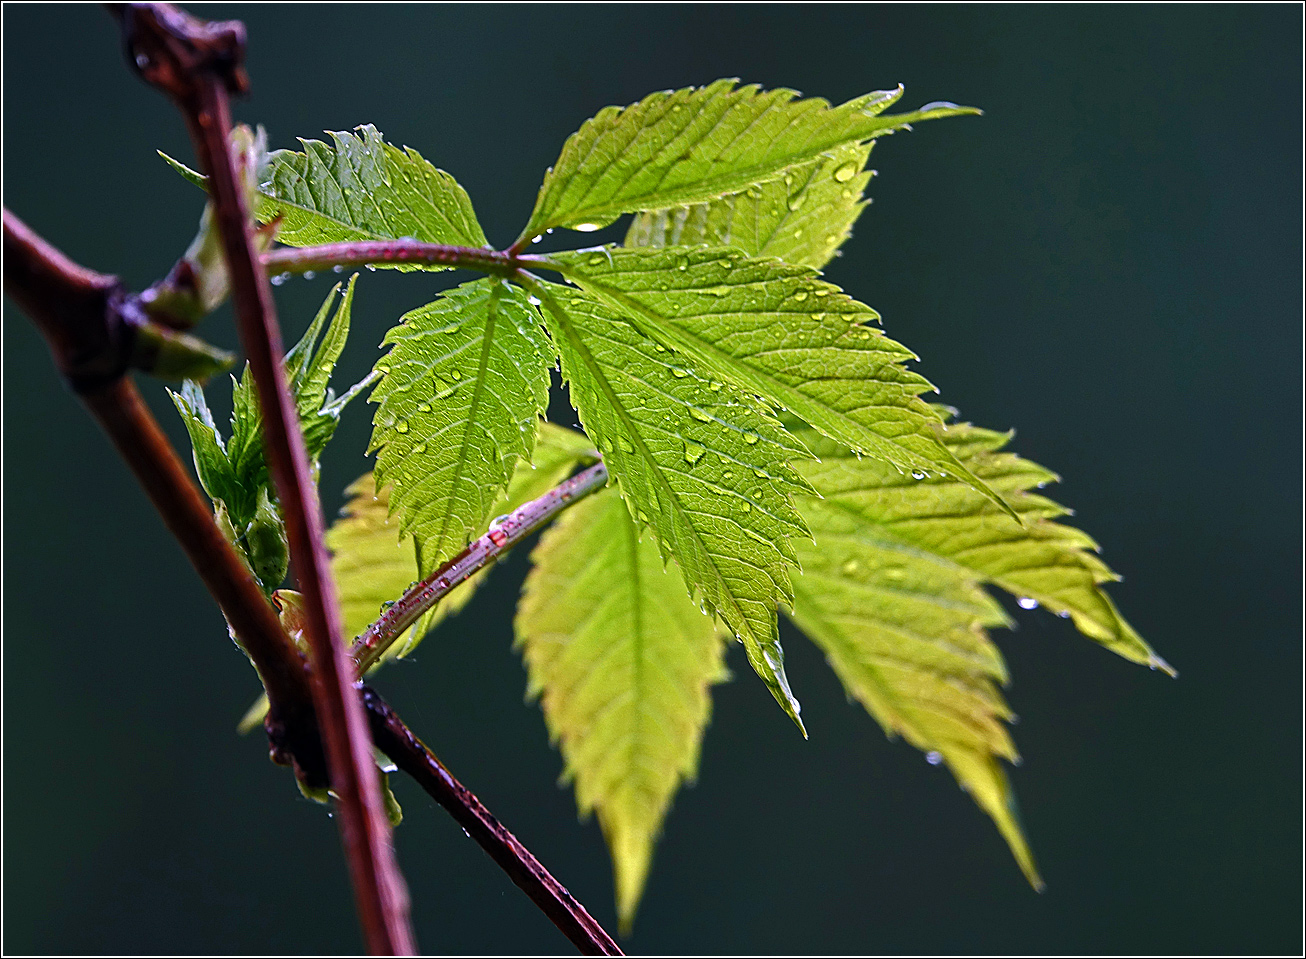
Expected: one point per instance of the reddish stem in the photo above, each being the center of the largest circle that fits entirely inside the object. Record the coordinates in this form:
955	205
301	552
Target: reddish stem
196	64
503	535
410	754
372	252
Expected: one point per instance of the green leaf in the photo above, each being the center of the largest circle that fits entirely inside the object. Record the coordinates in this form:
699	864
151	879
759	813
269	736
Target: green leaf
705	467
622	663
773	329
191	176
463	386
308	368
892	592
358	187
681	147
801	218
211	462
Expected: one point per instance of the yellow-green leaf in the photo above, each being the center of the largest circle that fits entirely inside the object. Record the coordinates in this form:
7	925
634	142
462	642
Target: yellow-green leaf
802	217
622	663
685	146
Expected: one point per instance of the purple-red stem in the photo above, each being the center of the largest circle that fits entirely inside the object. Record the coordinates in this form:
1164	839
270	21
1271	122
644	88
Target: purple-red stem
408	752
503	535
379	252
196	64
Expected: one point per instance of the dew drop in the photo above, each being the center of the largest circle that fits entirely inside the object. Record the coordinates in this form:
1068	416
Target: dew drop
728	474
419	449
693	452
310	275
586	227
423	407
401	426
498	521
851	567
800	295
1026	602
796	202
337	268
678	373
280	278
918	474
745	507
533	300
846	172
700	415
751	439
643	516
371	268
536	239
626	445
455	375
598	259
683	264
933	758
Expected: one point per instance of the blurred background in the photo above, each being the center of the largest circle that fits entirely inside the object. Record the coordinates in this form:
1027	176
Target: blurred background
1110	261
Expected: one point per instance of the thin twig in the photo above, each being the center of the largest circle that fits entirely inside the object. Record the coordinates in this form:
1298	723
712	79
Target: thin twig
408	752
198	64
505	532
370	252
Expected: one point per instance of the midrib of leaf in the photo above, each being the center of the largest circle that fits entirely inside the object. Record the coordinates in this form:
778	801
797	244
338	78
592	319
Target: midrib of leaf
743	372
632	435
855	121
759	648
483	363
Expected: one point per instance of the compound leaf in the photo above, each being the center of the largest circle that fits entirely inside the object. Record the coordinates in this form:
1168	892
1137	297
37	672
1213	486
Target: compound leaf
358	187
803	217
681	147
460	395
704	467
772	329
622	663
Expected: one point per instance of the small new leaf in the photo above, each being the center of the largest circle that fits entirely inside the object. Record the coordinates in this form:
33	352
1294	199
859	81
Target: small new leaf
460	396
705	467
358	187
774	330
622	663
686	146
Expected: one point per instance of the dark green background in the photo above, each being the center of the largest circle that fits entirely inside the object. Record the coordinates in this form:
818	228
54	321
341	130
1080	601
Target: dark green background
1109	260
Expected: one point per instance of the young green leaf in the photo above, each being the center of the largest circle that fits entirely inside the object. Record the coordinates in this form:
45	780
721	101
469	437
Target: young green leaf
681	147
308	368
803	217
358	187
463	386
211	462
773	329
705	467
622	663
